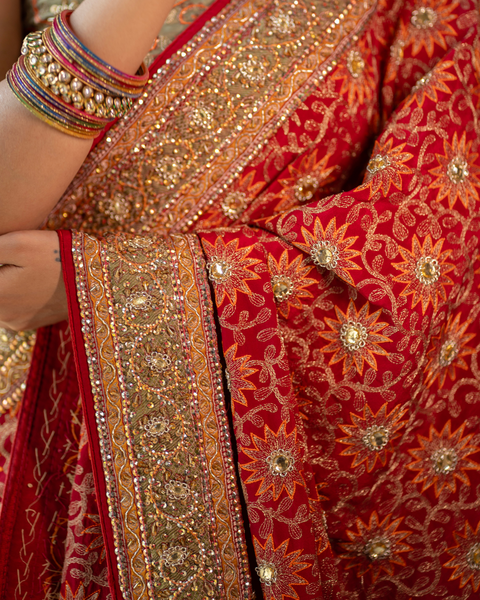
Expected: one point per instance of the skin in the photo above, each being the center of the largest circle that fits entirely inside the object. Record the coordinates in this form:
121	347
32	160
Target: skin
37	163
32	292
10	34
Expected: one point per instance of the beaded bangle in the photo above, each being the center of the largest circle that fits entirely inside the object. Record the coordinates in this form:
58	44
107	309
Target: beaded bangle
67	86
54	111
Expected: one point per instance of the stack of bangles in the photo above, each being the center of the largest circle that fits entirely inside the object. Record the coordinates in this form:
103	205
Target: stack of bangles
59	80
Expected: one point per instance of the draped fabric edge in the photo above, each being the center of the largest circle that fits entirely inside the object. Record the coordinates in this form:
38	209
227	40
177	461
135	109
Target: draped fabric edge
218	554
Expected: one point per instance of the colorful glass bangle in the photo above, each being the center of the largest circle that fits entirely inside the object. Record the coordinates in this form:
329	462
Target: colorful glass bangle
62	79
93	67
39	103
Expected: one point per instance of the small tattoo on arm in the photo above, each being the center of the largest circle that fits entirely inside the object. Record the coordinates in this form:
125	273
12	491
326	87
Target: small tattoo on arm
58	257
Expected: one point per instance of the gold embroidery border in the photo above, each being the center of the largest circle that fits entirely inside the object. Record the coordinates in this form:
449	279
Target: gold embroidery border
104	376
214	424
124	496
179	210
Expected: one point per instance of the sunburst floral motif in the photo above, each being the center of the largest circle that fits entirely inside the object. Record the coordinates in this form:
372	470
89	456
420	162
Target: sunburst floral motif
279	571
466	557
229	268
449	351
355	337
290	281
457	177
443	458
432	82
425	272
304	181
371	436
376	547
430	25
386	167
357	76
275	462
330	249
238	372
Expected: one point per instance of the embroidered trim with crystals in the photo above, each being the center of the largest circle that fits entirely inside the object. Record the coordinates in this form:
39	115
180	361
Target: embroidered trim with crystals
163	430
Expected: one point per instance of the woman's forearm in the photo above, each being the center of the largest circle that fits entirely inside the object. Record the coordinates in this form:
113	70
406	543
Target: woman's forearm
37	162
10	34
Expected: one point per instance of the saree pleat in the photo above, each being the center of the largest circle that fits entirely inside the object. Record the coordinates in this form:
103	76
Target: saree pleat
295	197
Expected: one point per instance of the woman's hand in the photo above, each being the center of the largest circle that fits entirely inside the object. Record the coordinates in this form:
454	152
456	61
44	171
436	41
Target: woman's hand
32	292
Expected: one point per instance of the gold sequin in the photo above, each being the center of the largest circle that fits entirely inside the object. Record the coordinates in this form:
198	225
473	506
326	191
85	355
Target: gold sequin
353	336
444	460
282	287
424	17
282	23
427	270
378	549
267	573
457	170
355	63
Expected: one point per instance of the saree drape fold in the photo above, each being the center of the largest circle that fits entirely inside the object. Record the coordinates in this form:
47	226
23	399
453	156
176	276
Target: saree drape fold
273	283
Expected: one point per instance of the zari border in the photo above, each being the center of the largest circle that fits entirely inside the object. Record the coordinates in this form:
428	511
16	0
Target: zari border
158	125
139	514
214	422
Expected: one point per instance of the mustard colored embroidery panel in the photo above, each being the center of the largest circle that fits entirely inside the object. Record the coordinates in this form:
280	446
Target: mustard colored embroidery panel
156	379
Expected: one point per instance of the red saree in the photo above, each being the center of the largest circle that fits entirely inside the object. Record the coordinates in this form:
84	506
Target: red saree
272	270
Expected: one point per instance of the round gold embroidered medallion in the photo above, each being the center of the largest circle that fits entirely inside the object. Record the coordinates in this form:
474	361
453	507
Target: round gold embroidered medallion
376	437
444	460
424	17
378	549
353	336
427	270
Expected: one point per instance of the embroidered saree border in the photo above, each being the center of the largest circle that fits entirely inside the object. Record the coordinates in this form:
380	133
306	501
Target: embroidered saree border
156	383
202	119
